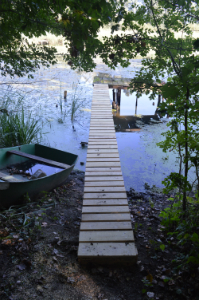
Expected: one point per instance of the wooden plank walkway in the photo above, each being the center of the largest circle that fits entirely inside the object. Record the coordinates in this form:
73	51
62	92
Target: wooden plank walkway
106	235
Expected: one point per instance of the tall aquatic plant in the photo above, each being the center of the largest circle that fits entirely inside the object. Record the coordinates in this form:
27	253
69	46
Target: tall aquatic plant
76	102
15	129
74	108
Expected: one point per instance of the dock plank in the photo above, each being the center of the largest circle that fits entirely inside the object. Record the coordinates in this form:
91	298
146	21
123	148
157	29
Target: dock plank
101	178
108	253
108	202
103	169
104	189
97	150
104	183
105	195
105	209
102	164
101	174
106	217
106	147
103	155
106	236
105	226
102	159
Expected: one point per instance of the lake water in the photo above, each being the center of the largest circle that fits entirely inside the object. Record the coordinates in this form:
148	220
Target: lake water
141	160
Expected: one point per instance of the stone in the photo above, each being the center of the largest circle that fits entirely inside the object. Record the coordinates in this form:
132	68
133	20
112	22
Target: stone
39	289
150	294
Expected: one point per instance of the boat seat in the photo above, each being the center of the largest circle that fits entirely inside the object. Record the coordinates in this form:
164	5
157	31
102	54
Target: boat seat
48	162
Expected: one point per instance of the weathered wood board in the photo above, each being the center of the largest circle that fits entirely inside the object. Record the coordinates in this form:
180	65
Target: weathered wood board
106	155
108	253
97	150
105	226
106	236
105	209
107	202
106	217
93	173
40	159
103	159
104	183
104	195
101	178
104	189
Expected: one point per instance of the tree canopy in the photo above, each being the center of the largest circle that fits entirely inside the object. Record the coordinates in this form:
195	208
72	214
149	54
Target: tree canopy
77	20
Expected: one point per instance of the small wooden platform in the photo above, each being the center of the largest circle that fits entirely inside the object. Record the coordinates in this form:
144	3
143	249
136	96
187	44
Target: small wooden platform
106	235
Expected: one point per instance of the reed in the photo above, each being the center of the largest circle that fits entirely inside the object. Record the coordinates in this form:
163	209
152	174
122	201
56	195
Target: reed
76	103
16	130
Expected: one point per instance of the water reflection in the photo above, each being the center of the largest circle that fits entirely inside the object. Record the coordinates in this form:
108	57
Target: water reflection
142	161
126	103
131	113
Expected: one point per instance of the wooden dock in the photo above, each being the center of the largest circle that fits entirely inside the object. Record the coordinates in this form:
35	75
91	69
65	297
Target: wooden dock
106	235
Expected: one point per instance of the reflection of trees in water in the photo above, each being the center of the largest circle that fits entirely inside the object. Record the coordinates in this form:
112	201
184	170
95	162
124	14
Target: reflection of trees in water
127	92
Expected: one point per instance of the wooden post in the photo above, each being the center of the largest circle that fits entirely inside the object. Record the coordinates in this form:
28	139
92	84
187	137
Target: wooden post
113	95
136	105
116	92
159	100
118	96
65	95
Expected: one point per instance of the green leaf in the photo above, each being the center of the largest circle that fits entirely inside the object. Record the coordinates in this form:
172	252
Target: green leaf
162	247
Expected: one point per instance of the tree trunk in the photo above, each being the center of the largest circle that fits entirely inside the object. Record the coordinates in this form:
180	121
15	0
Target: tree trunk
184	204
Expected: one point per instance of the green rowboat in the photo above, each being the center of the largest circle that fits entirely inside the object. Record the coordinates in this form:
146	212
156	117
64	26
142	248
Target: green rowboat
14	182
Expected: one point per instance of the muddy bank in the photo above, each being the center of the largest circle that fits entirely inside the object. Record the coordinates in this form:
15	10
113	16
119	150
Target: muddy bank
38	252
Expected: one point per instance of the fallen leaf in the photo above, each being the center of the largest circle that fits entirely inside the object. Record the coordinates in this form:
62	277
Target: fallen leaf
28	241
8	242
149	277
3	233
166	271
